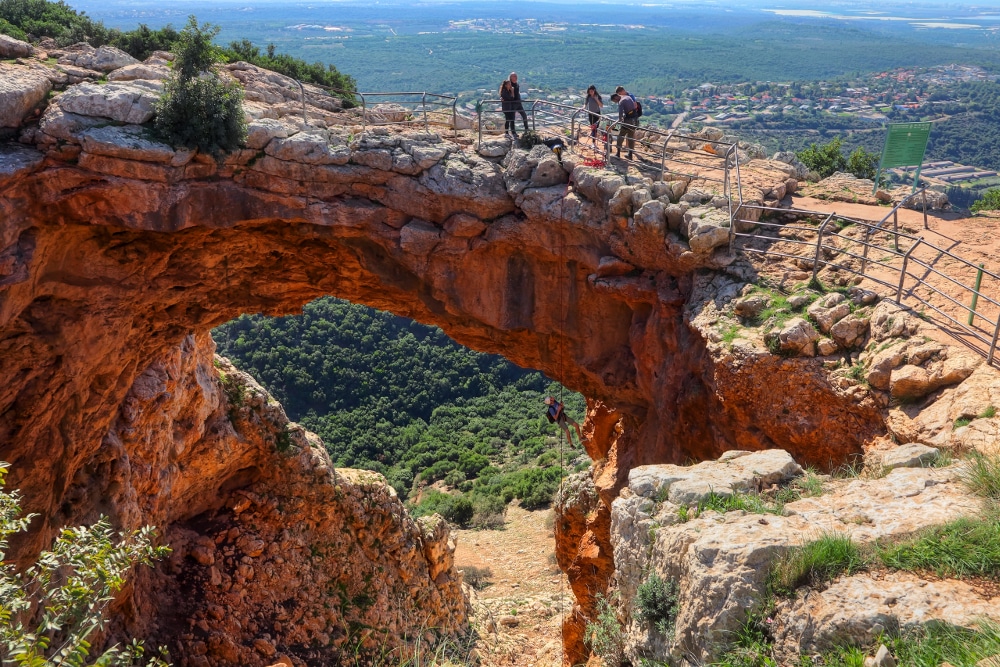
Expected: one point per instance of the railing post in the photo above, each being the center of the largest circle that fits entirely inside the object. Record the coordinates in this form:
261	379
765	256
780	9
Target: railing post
895	228
924	194
364	113
975	293
302	97
819	245
902	271
423	106
993	345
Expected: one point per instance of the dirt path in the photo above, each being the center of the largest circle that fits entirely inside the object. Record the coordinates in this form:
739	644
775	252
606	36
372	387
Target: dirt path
518	615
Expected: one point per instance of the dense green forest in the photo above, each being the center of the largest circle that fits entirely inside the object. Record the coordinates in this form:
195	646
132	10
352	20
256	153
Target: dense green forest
973	134
392	395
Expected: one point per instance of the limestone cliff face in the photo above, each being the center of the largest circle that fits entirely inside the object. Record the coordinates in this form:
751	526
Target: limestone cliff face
115	250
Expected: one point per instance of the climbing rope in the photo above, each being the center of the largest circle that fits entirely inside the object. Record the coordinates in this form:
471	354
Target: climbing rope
562	432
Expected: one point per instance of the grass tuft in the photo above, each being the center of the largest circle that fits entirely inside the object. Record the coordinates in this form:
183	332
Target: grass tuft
814	562
931	645
963	548
982	475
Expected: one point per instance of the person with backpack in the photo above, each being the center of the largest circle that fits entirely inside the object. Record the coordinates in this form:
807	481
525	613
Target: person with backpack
507	106
518	106
629	111
593	104
556	414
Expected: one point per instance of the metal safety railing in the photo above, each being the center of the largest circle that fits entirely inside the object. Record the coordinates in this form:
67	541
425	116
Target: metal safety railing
408	108
921	274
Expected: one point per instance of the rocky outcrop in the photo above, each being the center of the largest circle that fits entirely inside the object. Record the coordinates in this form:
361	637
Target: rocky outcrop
720	561
274	551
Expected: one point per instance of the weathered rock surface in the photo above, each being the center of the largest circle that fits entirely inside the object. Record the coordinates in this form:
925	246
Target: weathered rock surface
734	472
274	550
21	91
913	455
14	48
122	102
720	561
848	609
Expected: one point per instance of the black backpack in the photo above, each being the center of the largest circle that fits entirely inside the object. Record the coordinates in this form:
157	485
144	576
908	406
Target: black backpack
638	106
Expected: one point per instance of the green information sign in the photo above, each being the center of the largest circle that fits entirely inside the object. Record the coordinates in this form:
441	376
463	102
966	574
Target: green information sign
905	145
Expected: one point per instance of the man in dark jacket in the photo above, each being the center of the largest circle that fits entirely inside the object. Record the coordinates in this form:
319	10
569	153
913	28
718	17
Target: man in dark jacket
517	99
628	119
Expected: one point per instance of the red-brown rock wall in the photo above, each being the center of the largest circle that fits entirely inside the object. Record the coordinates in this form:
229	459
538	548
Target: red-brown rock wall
113	262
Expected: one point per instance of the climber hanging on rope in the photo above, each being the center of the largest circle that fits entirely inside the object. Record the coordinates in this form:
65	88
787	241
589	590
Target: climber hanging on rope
556	414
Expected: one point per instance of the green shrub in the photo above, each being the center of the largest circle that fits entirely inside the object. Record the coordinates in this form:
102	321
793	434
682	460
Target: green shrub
824	160
51	612
815	562
198	109
657	601
57	20
990	201
863	164
457	510
12	30
604	635
488	512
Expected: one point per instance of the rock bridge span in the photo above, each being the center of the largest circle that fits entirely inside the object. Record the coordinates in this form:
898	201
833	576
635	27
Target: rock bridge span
110	262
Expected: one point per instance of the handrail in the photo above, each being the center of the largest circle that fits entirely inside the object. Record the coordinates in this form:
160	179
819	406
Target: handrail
935	279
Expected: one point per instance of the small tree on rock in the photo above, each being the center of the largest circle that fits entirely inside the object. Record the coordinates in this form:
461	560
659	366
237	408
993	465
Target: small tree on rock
198	108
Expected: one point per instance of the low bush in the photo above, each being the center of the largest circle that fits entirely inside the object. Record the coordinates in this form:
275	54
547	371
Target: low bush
477	577
488	512
604	635
814	562
456	509
52	611
657	602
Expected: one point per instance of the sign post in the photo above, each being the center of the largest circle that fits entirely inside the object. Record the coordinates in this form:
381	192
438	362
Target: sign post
905	145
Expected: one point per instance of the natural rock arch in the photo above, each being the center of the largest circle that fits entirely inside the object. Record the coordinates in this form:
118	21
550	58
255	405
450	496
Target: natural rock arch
112	262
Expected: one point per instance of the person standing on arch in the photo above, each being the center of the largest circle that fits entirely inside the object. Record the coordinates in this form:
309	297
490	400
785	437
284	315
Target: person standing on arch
507	105
556	414
517	99
628	119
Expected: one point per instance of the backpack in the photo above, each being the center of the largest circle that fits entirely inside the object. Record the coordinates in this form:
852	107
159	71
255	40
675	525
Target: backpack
638	106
